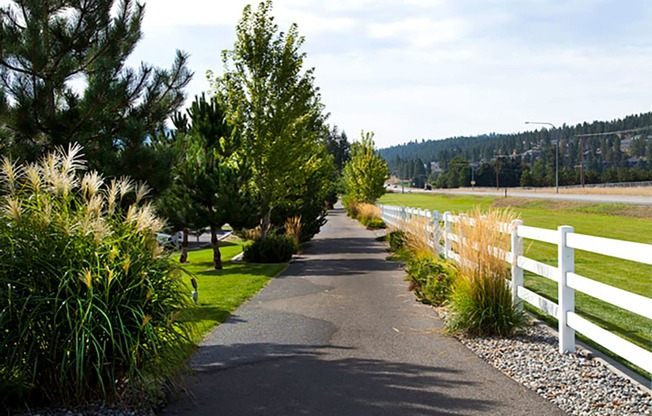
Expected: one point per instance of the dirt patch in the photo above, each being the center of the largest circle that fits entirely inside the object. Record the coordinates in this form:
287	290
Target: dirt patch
636	212
536	203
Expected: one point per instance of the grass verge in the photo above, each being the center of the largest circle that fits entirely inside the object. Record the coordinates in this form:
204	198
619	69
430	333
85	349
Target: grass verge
222	291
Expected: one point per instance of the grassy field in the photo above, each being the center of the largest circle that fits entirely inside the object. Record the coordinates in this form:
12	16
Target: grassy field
222	291
605	220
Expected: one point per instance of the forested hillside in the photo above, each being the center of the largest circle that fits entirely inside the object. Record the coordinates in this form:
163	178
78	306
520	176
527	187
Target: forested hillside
601	151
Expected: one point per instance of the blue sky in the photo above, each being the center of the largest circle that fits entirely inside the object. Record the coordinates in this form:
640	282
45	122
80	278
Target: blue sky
433	69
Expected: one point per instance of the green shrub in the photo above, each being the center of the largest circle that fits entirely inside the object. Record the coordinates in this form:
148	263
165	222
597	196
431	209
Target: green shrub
372	223
89	299
430	279
275	248
397	240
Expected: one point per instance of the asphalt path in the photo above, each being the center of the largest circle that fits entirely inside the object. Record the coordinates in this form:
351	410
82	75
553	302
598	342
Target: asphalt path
588	198
339	334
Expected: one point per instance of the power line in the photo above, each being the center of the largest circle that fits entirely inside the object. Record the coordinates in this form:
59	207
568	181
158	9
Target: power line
609	133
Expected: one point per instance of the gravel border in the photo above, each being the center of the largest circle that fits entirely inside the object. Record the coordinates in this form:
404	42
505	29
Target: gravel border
580	384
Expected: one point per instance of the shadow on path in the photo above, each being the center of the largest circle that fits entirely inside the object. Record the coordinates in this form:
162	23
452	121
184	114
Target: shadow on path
301	380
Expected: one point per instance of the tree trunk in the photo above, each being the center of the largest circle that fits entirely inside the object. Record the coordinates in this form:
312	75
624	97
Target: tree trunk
217	256
184	247
264	226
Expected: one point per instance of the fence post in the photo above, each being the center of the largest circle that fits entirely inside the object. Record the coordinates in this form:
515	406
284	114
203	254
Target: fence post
447	230
517	272
565	264
435	232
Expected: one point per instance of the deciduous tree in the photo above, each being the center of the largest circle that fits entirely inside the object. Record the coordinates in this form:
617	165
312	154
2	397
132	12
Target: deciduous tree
365	174
274	106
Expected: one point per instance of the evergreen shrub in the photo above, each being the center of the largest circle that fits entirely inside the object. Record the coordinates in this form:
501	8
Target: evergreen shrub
276	248
430	278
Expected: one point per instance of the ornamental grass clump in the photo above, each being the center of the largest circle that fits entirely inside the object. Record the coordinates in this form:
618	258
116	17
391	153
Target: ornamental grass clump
293	229
88	298
481	301
418	236
369	216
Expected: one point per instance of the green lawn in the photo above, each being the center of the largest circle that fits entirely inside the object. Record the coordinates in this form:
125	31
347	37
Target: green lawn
604	220
222	291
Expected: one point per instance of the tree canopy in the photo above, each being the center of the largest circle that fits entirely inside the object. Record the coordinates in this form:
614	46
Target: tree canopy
274	106
601	151
210	177
63	79
366	172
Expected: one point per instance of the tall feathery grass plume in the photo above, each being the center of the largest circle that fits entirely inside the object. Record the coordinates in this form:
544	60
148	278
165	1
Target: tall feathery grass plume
293	229
481	302
370	211
419	236
84	284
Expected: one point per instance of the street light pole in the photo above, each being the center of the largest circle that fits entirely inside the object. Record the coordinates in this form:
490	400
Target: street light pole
556	151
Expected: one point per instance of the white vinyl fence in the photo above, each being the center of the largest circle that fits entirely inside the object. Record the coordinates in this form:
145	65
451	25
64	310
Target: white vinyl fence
564	275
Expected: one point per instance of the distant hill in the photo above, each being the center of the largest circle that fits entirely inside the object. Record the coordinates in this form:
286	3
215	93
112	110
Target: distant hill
602	151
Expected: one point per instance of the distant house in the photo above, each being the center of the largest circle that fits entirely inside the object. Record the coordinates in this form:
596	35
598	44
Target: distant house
435	168
626	144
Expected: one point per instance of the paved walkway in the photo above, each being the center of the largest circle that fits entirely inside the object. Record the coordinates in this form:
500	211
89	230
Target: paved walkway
339	334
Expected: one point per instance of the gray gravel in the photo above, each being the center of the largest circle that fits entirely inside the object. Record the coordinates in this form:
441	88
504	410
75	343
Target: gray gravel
577	383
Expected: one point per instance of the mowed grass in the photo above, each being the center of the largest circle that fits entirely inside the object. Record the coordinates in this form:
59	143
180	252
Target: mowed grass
222	291
614	221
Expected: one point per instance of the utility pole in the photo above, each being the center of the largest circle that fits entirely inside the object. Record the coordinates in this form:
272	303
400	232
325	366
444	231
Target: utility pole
556	151
497	173
582	160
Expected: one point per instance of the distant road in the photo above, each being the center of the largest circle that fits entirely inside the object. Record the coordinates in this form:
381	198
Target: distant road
591	198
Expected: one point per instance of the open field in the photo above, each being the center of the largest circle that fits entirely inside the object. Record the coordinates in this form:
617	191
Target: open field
617	221
222	291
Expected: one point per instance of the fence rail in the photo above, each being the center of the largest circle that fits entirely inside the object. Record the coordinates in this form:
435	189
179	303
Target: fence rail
567	241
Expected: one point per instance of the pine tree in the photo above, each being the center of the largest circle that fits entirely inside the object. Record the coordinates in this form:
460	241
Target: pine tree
210	176
62	71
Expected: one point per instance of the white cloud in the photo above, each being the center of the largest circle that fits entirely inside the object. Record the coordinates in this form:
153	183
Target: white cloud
412	69
420	32
166	13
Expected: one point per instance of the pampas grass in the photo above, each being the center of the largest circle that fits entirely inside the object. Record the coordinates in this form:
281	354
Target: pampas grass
88	297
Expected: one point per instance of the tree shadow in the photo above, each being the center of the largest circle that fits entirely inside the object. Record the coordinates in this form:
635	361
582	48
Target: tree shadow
337	267
347	245
306	380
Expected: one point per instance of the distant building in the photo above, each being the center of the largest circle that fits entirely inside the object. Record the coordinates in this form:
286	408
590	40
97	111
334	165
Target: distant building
435	168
